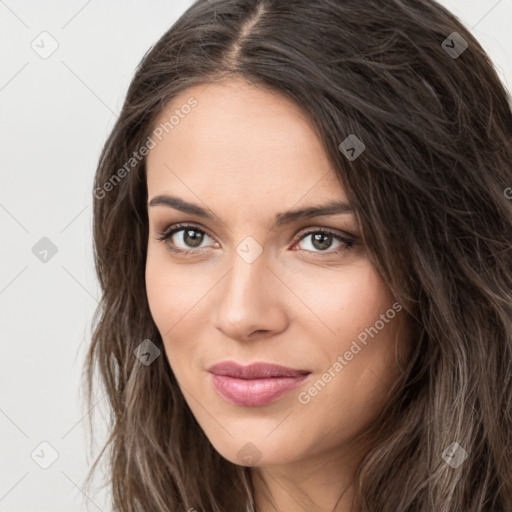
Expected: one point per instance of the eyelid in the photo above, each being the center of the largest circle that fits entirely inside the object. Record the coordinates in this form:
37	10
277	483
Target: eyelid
332	231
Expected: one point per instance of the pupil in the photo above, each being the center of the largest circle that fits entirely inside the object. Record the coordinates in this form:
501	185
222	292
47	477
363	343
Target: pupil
323	239
195	238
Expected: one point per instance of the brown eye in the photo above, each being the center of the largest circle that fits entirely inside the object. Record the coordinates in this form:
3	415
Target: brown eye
322	240
183	238
191	237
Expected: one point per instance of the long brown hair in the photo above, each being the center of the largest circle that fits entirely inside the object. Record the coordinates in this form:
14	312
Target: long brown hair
412	83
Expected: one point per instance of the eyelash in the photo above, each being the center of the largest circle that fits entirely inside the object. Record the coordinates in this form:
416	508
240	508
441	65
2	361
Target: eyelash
175	228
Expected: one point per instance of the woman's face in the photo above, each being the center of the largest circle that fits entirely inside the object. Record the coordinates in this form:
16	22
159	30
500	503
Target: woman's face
261	284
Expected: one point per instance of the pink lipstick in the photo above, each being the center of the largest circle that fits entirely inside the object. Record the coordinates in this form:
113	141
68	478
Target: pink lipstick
256	384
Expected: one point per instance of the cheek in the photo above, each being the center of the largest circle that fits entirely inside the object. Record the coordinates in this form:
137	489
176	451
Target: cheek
169	290
161	295
346	302
367	325
357	362
168	295
165	303
178	299
353	384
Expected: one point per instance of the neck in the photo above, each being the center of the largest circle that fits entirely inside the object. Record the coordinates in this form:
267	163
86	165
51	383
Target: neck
323	483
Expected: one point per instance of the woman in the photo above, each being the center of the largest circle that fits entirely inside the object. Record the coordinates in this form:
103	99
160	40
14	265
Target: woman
302	233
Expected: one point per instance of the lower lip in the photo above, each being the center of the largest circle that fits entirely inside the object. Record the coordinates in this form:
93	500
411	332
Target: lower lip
254	392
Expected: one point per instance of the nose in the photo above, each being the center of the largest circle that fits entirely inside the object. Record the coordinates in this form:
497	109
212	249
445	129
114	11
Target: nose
248	301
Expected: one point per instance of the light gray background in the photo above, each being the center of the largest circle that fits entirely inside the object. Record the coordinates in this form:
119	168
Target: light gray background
55	115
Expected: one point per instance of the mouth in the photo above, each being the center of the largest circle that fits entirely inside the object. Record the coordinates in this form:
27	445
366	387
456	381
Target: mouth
256	384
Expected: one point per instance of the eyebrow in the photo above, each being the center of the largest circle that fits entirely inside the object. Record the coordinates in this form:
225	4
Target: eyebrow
330	208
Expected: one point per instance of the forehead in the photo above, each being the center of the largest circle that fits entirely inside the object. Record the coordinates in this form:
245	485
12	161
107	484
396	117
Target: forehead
242	139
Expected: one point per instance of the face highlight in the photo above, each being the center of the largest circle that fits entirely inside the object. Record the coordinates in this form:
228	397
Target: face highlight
233	275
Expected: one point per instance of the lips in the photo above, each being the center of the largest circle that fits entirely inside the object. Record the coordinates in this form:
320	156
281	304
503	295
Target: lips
255	370
256	384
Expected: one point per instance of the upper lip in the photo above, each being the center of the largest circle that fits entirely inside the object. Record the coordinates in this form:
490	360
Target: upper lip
258	370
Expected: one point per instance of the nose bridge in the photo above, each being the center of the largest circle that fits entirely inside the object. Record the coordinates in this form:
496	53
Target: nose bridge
245	282
244	304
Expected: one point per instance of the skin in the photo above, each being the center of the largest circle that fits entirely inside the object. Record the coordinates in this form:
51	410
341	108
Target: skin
246	154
